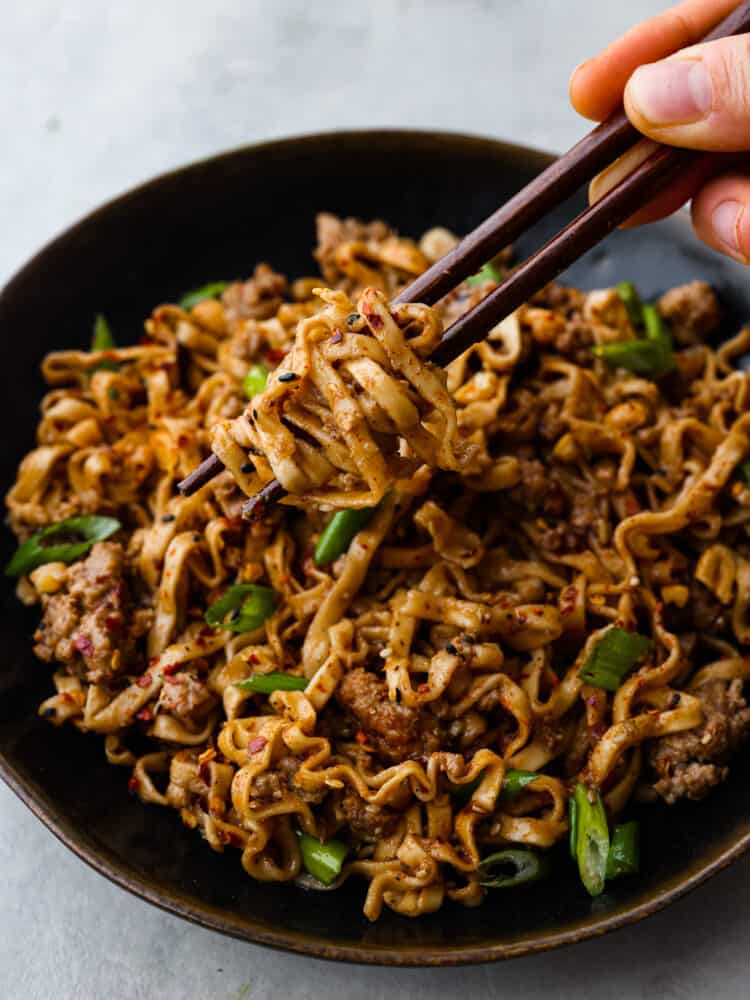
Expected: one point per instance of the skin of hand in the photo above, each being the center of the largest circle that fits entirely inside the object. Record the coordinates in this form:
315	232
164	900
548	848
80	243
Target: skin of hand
697	97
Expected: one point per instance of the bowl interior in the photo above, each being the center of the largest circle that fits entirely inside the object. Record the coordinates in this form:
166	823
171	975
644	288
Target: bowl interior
211	221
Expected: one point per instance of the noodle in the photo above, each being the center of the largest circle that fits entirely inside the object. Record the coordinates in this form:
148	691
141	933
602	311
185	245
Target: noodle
531	503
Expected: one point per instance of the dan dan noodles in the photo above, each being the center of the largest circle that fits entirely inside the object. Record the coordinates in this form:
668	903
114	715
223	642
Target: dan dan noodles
501	603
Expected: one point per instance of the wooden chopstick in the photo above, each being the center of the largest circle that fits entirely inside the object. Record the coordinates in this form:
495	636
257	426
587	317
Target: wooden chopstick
549	189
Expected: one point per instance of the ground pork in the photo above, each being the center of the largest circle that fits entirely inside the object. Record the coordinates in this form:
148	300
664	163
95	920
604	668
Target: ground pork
394	731
92	626
257	298
332	232
692	310
275	784
689	764
365	820
186	694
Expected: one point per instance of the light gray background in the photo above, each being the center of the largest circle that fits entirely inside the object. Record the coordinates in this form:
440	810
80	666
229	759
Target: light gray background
96	96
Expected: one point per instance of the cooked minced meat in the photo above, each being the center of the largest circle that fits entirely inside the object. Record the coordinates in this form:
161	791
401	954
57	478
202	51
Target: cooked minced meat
92	627
394	731
689	764
332	232
257	298
366	820
692	311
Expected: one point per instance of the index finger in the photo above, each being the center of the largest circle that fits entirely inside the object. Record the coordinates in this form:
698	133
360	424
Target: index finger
596	86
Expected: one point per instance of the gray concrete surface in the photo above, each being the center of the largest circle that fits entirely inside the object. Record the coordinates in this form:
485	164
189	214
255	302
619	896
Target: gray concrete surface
96	96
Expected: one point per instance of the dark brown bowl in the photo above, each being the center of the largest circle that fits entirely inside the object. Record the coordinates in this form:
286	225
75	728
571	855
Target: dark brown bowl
215	220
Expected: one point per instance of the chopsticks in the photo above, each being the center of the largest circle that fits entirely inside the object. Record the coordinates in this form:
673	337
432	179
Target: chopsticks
549	189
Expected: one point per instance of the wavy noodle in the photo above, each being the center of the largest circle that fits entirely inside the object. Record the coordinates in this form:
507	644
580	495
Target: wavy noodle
529	499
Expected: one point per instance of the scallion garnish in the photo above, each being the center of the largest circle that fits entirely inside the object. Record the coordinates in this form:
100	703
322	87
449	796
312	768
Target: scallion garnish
614	656
652	355
628	293
322	859
103	340
80	533
512	867
210	291
624	856
516	780
248	604
488	272
255	380
339	532
268	683
592	839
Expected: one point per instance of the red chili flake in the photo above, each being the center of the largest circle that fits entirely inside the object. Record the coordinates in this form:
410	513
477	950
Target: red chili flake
153	661
361	736
252	658
133	785
183	440
275	355
170	667
204	772
145	341
145	715
172	680
256	745
423	688
553	680
113	623
337	336
373	319
84	645
144	680
521	617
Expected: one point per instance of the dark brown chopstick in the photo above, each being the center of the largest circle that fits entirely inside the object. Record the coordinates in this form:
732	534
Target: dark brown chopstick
561	179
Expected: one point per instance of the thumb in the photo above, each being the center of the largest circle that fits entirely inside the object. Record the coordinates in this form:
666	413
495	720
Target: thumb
699	98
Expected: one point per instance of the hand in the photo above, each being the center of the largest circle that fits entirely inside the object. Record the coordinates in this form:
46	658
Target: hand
697	98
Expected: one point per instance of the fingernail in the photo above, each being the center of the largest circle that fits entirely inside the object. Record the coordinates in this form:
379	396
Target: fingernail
672	92
725	222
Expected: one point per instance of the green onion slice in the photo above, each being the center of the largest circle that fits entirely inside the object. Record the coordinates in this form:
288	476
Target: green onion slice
65	542
102	339
248	604
614	656
255	380
516	780
652	356
512	867
322	859
624	851
210	291
488	272
573	827
268	683
592	840
339	532
628	293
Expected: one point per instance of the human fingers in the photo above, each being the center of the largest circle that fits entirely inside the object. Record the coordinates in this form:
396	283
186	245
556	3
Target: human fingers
597	85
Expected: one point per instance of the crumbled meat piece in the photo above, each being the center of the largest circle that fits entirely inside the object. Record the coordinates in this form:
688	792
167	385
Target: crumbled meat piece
332	232
365	820
275	784
692	311
92	627
394	731
257	298
708	614
690	763
186	694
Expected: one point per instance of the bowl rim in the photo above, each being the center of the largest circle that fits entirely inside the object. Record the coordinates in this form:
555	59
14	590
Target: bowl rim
103	860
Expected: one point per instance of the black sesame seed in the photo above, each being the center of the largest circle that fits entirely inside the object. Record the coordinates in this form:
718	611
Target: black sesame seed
451	649
246	468
48	713
167	518
288	377
352	319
